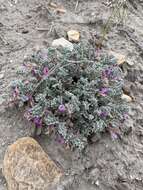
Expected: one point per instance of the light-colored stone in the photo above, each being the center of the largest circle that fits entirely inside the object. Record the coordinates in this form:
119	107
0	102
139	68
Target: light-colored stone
61	10
130	62
97	183
126	98
53	5
119	57
73	35
62	42
27	167
1	75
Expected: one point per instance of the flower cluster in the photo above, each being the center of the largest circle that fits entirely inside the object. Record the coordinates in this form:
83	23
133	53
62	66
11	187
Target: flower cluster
72	94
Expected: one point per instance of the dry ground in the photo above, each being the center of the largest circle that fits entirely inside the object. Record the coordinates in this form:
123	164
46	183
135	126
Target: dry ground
29	25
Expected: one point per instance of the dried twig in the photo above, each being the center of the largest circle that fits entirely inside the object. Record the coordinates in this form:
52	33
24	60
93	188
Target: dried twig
46	29
77	3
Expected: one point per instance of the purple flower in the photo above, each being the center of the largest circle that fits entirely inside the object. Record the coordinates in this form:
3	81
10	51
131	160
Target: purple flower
62	108
28	115
16	92
26	82
37	121
34	72
125	116
24	98
44	55
45	71
107	73
103	114
60	139
113	135
103	91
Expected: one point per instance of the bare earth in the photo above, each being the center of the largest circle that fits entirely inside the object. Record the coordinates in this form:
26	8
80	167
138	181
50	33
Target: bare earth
28	25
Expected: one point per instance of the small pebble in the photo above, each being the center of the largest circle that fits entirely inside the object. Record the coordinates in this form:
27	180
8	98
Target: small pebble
61	10
73	35
53	5
126	98
1	75
130	62
3	143
97	183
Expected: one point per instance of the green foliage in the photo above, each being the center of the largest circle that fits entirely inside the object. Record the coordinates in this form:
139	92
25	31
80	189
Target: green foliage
76	94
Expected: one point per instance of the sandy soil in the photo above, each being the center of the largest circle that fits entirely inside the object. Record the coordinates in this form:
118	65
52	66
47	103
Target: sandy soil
28	25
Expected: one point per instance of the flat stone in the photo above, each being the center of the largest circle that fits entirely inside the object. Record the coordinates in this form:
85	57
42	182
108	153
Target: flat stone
62	42
27	167
73	35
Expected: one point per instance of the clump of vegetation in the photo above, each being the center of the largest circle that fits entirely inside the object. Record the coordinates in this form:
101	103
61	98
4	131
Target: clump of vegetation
118	15
73	94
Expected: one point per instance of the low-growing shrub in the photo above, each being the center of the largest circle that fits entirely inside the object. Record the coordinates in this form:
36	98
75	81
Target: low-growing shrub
73	94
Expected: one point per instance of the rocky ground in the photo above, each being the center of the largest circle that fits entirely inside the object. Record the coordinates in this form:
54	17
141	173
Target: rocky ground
26	26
